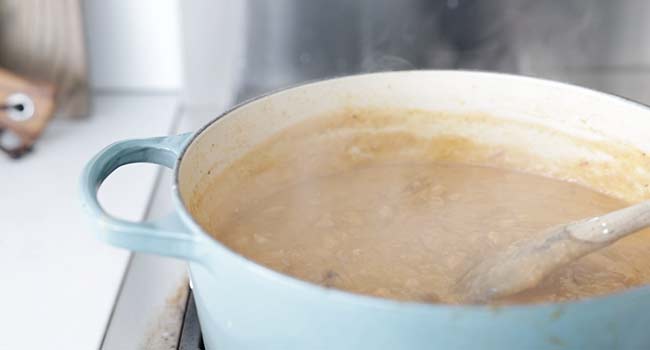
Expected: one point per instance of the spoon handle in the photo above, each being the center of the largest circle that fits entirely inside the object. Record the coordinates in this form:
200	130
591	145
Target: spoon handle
611	226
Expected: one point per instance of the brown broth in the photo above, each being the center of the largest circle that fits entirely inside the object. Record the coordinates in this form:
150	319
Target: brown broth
403	227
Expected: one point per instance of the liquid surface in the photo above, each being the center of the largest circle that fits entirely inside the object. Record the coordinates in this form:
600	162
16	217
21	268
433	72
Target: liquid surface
377	215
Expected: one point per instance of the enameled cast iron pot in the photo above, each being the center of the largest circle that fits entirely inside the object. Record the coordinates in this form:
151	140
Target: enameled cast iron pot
243	305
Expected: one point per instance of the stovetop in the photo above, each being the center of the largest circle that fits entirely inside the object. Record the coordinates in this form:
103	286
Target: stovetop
190	337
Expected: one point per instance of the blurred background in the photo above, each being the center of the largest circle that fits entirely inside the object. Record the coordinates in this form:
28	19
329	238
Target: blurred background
76	75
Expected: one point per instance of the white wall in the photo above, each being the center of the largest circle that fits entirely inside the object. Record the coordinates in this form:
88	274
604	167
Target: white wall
213	40
133	45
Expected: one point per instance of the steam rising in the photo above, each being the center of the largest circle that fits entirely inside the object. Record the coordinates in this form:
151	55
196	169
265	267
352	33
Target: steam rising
539	38
292	41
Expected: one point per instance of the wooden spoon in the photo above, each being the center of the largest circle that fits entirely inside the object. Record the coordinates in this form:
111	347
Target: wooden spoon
525	263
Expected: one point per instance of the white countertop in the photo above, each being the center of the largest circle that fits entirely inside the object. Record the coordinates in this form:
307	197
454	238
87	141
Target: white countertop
59	282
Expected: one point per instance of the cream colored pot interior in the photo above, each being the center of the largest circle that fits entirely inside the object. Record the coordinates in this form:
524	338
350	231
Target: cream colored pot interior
523	123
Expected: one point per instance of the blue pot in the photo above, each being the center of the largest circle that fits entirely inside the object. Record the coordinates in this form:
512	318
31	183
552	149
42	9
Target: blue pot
243	305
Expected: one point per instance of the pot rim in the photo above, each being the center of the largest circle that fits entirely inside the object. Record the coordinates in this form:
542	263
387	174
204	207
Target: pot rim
368	300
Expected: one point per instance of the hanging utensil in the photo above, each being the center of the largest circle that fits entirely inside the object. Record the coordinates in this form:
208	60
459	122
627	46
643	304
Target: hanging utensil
25	109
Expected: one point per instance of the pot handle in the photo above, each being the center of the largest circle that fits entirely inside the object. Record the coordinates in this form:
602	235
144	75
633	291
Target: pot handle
139	236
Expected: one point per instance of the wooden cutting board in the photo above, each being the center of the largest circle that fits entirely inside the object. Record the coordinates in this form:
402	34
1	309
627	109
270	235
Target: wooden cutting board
44	41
